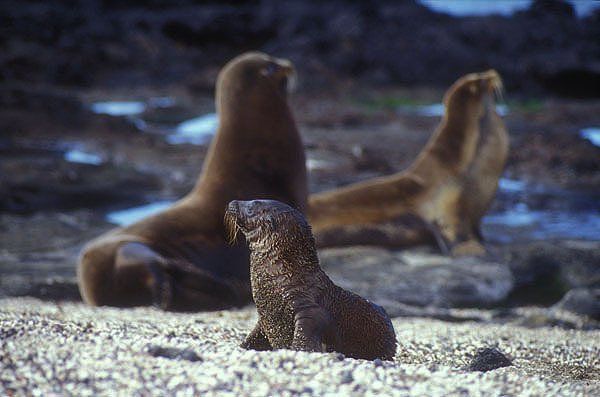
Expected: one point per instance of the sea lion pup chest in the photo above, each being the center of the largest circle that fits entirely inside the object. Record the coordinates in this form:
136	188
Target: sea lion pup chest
299	307
180	259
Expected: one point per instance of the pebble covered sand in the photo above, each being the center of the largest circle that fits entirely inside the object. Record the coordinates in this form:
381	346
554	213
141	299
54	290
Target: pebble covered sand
71	349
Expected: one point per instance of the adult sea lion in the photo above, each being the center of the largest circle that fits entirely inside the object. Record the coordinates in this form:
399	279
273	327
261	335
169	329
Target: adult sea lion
442	196
299	307
179	259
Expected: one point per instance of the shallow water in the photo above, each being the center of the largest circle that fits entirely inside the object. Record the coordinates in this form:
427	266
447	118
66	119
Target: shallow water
119	108
476	7
78	156
577	217
592	134
131	215
522	223
437	110
538	213
502	7
196	131
511	185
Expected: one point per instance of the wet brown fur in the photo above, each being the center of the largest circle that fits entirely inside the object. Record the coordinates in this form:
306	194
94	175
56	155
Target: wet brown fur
256	153
449	187
299	307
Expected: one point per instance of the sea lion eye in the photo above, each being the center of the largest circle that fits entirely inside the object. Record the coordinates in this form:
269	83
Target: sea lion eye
269	70
473	88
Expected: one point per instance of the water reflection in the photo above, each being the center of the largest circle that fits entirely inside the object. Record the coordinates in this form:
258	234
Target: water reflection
477	7
522	223
131	215
592	134
196	131
511	185
538	213
463	8
119	108
78	156
437	110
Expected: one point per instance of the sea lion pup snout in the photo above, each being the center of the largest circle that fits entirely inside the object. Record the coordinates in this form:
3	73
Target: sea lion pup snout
257	218
299	307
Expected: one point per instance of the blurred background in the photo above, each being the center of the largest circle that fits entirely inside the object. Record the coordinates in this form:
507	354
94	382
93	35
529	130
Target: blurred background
106	110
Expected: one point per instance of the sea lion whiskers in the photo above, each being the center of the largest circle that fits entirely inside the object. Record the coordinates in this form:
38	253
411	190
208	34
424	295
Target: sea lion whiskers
498	87
495	83
231	227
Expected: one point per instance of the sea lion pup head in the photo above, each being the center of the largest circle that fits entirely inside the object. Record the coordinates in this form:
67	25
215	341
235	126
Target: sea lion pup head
271	220
471	92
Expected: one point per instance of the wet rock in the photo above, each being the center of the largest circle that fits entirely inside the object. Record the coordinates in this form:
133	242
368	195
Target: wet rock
32	184
544	271
488	359
75	45
52	289
418	278
173	353
584	301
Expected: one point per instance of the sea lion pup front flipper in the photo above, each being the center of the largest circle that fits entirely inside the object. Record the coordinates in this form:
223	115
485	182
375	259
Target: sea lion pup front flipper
256	340
435	188
180	258
299	307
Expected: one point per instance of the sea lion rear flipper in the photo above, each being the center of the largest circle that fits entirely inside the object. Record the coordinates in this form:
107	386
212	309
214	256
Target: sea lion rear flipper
193	288
256	340
175	284
441	241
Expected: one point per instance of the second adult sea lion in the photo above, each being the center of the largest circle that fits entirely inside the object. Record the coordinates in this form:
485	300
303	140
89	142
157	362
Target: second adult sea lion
442	196
298	306
179	259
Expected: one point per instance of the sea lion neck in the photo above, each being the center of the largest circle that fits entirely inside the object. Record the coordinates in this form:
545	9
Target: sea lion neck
293	252
258	146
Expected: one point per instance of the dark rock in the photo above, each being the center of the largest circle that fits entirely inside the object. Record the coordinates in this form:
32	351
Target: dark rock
417	279
346	377
488	359
99	41
52	289
33	184
173	353
545	270
584	301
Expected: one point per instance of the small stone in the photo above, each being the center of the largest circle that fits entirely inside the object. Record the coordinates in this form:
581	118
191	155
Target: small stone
377	362
173	353
346	377
489	358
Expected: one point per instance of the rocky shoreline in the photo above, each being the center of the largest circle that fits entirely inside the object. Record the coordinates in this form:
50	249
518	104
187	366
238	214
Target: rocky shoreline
90	101
50	348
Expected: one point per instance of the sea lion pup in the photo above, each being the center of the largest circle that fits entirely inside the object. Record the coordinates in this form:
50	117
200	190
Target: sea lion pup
442	196
179	259
298	306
